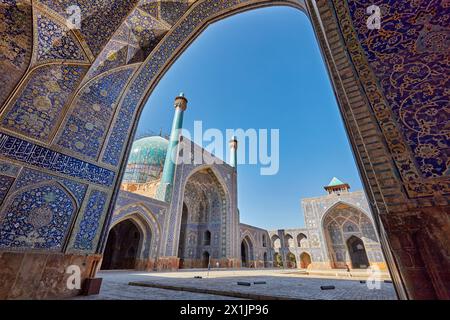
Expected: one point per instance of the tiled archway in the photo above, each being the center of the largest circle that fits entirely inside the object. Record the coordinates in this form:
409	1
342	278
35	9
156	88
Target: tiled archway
104	75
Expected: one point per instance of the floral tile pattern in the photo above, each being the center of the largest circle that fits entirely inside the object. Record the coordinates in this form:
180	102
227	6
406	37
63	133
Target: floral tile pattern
409	56
91	221
91	113
37	218
36	111
56	42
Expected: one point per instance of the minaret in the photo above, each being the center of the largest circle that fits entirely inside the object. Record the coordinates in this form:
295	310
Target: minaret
336	186
233	152
164	191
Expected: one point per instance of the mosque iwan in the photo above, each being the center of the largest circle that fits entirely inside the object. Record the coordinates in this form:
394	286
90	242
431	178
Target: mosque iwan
171	215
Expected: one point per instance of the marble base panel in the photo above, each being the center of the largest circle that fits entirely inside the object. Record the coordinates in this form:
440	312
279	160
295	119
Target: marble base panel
29	275
215	263
167	263
327	266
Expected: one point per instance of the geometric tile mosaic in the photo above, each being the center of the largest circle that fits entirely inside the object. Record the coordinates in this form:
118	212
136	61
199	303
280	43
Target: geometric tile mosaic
56	42
28	177
112	56
16	37
37	109
150	6
41	210
152	66
171	11
9	169
146	31
409	56
99	18
91	113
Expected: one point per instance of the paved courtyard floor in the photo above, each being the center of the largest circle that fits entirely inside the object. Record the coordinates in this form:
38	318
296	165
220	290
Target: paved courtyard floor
280	284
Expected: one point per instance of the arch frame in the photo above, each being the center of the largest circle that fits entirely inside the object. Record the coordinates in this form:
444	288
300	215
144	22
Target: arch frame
349	246
342	202
346	235
299	238
414	198
183	174
288	240
143	223
289	254
141	227
322	33
273	241
137	222
249	243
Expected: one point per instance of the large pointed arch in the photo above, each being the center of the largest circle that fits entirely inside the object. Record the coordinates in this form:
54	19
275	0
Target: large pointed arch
203	205
148	222
341	222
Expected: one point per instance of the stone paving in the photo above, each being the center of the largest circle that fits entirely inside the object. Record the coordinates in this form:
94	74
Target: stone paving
118	290
279	284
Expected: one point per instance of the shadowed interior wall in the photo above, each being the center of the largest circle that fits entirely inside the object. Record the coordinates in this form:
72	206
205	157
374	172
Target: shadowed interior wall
122	247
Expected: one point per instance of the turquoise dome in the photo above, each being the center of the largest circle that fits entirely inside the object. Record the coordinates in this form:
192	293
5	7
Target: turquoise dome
146	160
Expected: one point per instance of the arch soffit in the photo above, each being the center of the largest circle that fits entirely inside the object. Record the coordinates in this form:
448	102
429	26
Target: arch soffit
247	235
137	214
351	206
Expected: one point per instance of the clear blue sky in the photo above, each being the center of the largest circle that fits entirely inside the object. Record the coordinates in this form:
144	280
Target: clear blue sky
263	69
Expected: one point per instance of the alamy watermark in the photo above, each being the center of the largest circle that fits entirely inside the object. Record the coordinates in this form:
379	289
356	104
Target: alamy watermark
255	147
74	280
74	19
374	20
374	280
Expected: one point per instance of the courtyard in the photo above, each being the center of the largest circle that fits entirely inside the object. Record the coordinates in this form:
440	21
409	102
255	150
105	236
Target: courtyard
222	284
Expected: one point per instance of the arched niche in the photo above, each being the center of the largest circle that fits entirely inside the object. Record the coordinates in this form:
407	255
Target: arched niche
305	260
340	223
302	240
276	242
205	204
247	254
